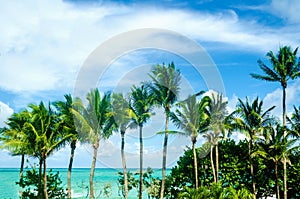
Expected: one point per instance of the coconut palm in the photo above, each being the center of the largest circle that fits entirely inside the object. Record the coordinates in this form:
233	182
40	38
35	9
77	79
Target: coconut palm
191	116
275	147
96	123
165	87
218	124
250	119
141	105
67	126
121	113
15	138
284	67
47	138
295	121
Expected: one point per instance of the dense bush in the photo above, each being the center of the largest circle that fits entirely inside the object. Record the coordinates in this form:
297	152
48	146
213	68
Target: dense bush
30	185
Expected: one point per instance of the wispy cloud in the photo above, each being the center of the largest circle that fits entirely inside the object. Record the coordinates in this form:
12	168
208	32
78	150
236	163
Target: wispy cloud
288	10
5	112
45	51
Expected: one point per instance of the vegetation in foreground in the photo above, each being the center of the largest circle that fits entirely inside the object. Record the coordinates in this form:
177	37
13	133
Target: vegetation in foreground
40	130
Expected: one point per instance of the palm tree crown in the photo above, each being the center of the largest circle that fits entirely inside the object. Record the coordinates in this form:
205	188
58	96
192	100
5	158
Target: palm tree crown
284	66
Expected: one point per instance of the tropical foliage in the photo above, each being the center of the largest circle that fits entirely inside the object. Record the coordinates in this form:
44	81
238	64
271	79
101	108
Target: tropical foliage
265	163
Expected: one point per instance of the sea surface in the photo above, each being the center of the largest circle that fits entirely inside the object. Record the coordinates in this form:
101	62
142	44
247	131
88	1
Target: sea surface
80	182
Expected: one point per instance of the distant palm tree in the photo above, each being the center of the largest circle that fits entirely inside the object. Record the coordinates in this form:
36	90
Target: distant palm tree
67	126
251	119
15	138
285	67
218	124
165	87
141	106
295	121
121	113
43	124
96	123
191	116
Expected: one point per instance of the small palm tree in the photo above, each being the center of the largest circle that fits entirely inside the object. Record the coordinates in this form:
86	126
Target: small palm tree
97	123
141	106
15	137
191	116
121	113
47	138
251	119
284	67
275	147
67	126
165	88
218	124
295	121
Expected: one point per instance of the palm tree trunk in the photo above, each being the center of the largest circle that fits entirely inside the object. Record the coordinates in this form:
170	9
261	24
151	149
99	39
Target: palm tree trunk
284	137
251	169
141	163
40	195
124	165
45	178
73	147
21	172
277	180
95	146
195	162
164	163
217	162
212	162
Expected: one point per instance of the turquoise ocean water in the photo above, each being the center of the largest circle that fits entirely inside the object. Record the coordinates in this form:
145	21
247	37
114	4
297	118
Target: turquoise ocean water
80	181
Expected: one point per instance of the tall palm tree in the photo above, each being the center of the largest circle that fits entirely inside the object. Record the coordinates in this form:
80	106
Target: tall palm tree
165	87
121	113
141	106
251	119
67	126
15	138
191	116
284	67
47	137
218	124
96	123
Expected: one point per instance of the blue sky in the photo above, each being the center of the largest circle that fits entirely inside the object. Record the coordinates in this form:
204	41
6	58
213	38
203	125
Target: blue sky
44	44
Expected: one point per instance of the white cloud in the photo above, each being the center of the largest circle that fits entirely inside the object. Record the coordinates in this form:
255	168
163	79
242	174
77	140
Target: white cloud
232	102
43	49
288	9
5	112
275	99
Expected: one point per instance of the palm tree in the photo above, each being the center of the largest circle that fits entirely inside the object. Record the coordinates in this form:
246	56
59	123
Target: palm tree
47	138
275	147
211	140
68	127
251	119
96	123
295	121
191	116
15	138
121	113
165	87
218	124
284	67
141	105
